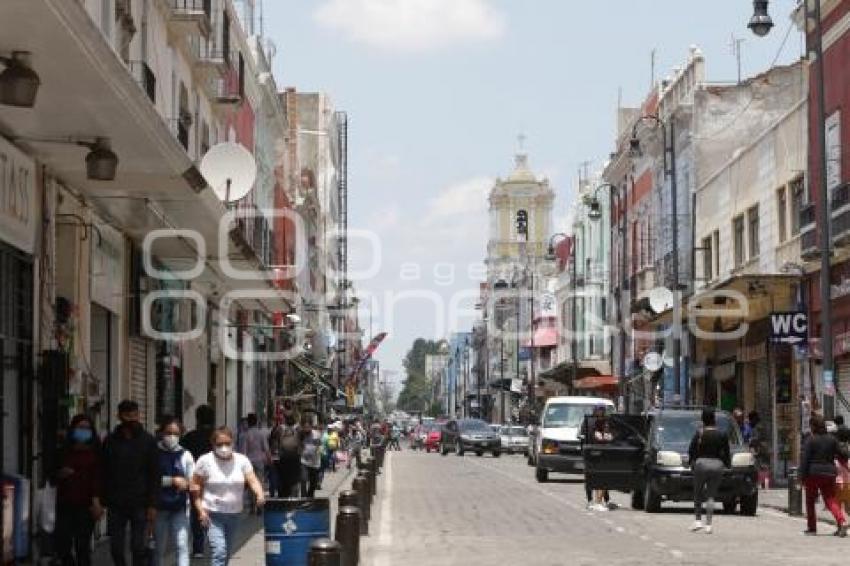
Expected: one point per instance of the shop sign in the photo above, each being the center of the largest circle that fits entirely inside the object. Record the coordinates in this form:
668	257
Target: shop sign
789	327
17	198
108	268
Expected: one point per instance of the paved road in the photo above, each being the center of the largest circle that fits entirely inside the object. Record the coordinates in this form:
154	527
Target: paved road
471	511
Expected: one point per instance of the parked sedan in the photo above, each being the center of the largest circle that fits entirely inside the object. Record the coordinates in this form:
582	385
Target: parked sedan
475	435
514	439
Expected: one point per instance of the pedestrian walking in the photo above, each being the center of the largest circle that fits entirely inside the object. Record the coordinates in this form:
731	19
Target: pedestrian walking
257	447
588	427
199	442
288	466
710	455
172	511
395	435
219	482
356	441
79	488
273	471
818	474
311	459
131	485
602	435
332	445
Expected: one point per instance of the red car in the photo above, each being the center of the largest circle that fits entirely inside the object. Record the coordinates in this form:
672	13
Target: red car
432	438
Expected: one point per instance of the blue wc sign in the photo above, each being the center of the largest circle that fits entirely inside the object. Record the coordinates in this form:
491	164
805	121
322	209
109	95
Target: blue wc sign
789	327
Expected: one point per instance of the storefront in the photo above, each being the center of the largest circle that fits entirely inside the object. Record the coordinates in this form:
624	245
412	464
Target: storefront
19	210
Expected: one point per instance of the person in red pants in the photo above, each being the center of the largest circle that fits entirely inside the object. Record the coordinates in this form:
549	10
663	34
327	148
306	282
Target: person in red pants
818	473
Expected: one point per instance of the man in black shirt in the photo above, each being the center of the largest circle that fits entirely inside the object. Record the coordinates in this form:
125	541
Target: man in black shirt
131	478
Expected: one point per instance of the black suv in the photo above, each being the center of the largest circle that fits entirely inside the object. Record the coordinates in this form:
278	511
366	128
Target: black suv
474	435
648	457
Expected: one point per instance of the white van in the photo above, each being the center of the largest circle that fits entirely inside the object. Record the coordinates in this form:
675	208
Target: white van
557	444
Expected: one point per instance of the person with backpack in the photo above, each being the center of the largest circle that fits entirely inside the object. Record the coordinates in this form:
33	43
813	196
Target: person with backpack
284	442
176	466
311	459
331	446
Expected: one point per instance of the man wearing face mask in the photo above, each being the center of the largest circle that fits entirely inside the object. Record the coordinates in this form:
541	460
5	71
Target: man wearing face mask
131	485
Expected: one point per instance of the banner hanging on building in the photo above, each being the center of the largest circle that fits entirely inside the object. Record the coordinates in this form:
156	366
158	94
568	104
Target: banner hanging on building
367	354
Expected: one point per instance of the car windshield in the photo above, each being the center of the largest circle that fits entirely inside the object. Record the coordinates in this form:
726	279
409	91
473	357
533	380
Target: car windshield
679	429
474	426
565	415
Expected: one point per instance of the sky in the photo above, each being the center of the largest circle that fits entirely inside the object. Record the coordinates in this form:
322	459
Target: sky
437	92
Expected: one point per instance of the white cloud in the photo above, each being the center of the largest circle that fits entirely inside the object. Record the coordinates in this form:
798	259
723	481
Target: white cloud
412	25
466	197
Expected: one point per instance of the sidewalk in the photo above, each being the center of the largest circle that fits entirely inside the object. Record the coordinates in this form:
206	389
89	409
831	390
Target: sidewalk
253	551
777	499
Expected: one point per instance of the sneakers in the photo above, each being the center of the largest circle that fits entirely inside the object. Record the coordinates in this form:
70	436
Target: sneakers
612	506
600	507
707	529
841	532
696	526
810	533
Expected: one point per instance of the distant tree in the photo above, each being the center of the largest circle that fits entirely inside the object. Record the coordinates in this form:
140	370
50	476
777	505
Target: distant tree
415	394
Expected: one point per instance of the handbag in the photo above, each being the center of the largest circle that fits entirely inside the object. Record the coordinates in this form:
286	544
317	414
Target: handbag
46	508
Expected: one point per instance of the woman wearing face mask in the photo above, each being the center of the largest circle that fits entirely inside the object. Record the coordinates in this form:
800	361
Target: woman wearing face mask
219	483
175	468
78	493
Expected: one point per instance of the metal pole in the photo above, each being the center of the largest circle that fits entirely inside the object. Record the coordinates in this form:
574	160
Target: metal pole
674	204
465	374
825	231
575	312
533	378
502	370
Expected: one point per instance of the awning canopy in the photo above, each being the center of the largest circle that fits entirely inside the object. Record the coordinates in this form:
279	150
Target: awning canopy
544	338
316	373
563	372
597	382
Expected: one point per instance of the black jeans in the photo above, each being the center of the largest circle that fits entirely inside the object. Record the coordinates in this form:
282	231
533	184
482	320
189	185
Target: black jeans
74	527
310	481
117	521
289	472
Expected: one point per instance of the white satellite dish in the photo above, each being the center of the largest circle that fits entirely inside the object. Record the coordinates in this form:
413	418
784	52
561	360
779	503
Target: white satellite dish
652	361
660	299
230	169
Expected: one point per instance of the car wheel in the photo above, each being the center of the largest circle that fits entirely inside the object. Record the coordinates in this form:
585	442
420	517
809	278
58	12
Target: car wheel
651	500
637	500
750	504
730	505
541	475
458	448
479	453
496	453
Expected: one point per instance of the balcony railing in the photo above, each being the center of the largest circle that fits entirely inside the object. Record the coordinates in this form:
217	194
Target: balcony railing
192	15
807	216
841	227
145	78
226	90
809	244
253	232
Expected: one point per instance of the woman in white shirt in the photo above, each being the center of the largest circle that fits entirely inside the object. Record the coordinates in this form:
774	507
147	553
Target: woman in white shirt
219	484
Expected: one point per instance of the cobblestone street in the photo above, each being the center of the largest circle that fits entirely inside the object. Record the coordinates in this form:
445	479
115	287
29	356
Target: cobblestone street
484	511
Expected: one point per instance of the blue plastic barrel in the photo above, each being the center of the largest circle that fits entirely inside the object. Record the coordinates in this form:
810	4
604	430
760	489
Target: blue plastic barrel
291	525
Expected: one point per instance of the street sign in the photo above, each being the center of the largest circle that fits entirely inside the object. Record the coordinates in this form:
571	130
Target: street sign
789	327
524	354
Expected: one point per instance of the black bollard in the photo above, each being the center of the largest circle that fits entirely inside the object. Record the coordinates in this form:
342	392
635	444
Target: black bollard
325	552
349	497
373	484
348	534
361	486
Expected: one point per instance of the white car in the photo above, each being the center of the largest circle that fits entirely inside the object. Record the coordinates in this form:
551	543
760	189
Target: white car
557	446
514	439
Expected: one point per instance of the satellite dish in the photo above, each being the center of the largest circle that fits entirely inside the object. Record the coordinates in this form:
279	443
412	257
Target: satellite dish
660	299
652	361
230	169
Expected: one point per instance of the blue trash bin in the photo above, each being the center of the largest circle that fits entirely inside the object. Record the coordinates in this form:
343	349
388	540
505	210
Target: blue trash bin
291	525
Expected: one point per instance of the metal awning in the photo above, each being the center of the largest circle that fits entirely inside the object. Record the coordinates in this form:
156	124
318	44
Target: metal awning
563	372
317	374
